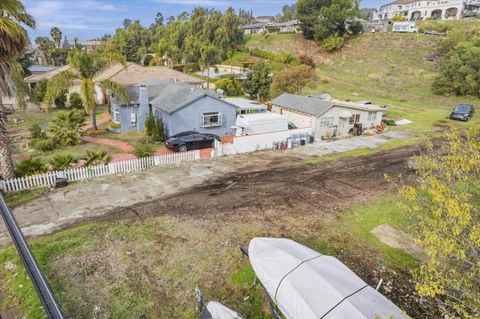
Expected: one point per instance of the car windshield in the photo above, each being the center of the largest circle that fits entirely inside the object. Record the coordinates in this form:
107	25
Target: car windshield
462	108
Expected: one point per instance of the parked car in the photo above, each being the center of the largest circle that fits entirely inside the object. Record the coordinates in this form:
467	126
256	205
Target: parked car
190	140
462	112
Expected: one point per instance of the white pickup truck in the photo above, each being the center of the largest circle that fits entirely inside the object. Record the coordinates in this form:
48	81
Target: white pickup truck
409	27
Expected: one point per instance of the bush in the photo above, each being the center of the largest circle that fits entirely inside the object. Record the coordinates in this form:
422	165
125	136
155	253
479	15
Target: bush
143	150
60	101
230	87
39	91
97	157
332	43
31	166
61	162
159	134
36	132
307	60
286	58
262	54
439	26
66	127
114	125
76	101
355	28
149	124
43	144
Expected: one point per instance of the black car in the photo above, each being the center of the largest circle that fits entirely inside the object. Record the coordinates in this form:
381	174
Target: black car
462	112
190	140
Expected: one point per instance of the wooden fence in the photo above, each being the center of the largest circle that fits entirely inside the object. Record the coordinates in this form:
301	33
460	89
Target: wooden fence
82	173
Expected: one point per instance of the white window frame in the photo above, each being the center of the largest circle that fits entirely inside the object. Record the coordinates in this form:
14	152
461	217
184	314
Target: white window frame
212	114
116	116
351	120
326	121
372	116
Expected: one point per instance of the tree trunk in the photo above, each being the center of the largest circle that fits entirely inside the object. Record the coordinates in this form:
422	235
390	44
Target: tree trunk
93	116
208	77
6	163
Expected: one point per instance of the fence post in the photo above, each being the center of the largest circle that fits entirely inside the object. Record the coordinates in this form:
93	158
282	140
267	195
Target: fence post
3	186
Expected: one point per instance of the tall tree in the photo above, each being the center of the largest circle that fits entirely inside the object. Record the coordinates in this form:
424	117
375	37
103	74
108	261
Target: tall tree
208	57
46	46
293	80
13	40
56	35
259	82
85	67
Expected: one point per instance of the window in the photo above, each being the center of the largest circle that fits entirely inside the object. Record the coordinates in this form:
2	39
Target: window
372	116
211	119
354	119
326	121
116	116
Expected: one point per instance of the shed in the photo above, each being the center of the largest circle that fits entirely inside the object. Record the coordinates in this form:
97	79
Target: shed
258	123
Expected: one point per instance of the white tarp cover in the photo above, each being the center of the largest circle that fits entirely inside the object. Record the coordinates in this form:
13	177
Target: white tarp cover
305	284
215	310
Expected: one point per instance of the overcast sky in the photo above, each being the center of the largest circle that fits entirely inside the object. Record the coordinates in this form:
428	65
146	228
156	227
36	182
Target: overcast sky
88	19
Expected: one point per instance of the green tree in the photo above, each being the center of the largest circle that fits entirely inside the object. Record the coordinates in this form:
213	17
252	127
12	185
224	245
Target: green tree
76	100
159	134
293	80
13	41
56	35
66	127
209	55
230	86
149	124
39	91
445	213
84	67
460	70
46	46
258	82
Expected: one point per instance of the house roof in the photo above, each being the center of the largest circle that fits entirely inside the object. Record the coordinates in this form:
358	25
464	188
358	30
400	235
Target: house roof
304	104
172	96
314	106
244	104
133	74
257	25
287	23
41	68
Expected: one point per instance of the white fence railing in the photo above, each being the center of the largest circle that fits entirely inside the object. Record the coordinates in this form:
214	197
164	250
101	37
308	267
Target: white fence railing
82	173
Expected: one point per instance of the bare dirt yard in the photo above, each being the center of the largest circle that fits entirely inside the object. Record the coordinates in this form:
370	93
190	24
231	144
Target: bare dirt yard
144	260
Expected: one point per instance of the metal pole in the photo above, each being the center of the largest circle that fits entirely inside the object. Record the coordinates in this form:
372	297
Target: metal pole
44	291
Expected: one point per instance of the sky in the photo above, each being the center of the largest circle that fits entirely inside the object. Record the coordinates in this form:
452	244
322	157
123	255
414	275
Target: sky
89	19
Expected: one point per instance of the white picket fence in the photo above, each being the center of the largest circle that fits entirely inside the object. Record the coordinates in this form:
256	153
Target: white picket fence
82	173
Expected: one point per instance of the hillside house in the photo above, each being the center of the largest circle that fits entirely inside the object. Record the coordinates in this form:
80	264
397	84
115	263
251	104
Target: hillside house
422	9
182	107
272	27
326	117
255	28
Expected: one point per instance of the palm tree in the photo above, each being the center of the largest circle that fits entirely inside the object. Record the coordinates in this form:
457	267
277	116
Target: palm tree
85	67
13	40
56	36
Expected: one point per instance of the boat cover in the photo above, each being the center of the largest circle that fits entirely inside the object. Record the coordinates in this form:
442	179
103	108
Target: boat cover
306	285
215	310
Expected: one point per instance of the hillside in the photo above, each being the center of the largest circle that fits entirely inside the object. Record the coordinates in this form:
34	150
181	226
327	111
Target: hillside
385	68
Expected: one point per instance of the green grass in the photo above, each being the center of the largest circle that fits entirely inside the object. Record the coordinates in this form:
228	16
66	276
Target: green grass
334	156
363	219
17	198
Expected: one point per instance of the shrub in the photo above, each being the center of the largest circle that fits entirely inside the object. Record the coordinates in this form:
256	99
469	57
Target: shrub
262	54
97	157
159	134
143	150
230	87
39	91
31	166
355	28
60	101
66	127
76	101
149	124
61	162
36	132
286	58
114	125
307	60
439	26
43	144
332	43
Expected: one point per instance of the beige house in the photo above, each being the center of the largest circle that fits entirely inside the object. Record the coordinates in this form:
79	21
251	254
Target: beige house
132	74
325	117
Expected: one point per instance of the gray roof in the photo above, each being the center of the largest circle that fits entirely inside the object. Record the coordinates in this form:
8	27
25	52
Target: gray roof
304	104
257	25
41	68
153	89
287	23
171	96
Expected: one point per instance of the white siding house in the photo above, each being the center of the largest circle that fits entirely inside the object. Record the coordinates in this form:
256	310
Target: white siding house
326	117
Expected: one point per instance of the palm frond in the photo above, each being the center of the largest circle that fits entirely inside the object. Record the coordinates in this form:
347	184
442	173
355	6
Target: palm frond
87	92
22	89
57	85
116	88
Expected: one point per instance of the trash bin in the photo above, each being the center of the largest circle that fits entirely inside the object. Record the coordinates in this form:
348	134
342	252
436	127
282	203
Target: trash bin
302	142
61	182
311	139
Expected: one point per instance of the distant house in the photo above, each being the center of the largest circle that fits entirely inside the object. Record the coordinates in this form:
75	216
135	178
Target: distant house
265	19
324	116
288	26
421	9
256	28
245	106
131	75
181	107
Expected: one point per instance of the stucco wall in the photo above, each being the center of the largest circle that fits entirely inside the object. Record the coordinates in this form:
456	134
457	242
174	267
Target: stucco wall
140	110
190	117
300	120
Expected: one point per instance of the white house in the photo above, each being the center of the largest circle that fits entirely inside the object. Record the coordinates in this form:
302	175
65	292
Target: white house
271	27
422	9
326	117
